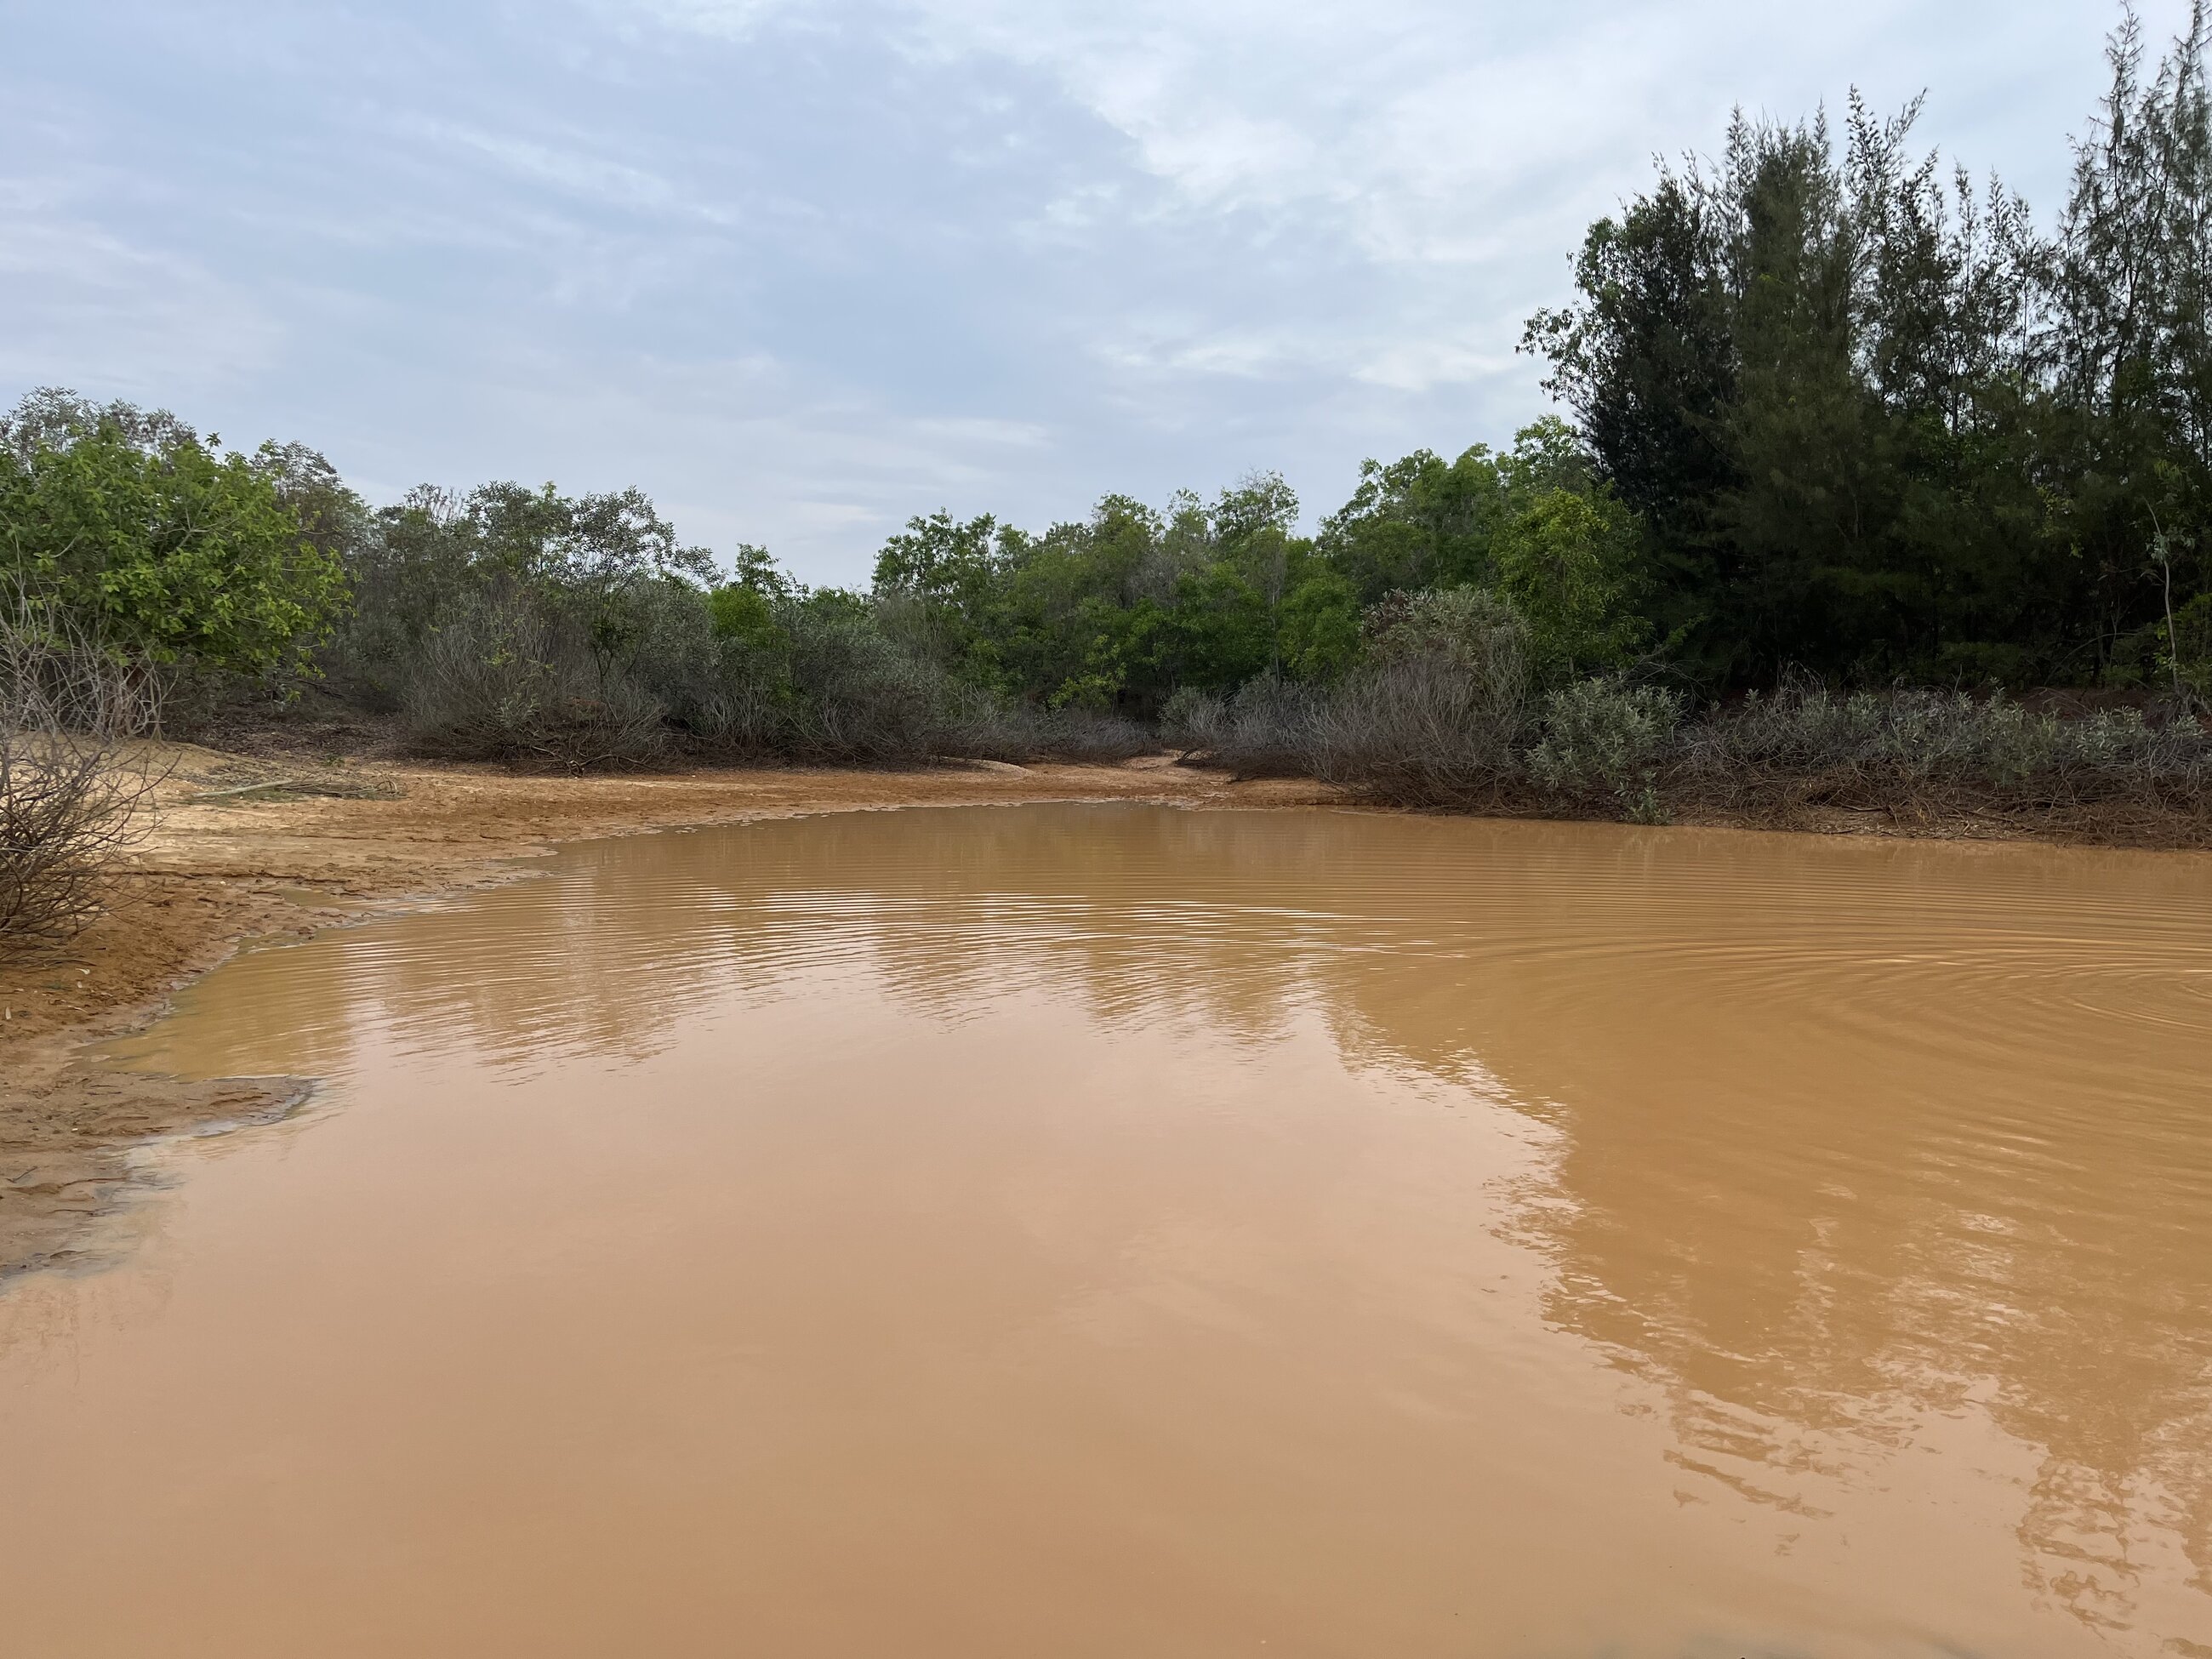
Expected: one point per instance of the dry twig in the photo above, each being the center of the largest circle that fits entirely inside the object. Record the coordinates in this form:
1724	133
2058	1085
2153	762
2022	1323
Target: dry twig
75	777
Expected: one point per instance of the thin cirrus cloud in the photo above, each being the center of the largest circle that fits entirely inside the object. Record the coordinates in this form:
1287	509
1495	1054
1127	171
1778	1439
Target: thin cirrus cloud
801	268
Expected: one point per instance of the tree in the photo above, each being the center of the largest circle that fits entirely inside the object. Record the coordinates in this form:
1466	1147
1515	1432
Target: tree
1417	522
158	543
1646	363
2129	343
1564	562
1875	424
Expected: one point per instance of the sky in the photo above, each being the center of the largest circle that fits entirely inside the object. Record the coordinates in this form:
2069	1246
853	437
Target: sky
800	269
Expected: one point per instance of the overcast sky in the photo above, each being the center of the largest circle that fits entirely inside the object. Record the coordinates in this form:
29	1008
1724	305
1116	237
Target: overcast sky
802	268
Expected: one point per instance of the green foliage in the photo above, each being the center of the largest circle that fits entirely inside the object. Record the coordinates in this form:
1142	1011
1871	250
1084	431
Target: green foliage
1534	524
1472	627
1320	625
756	567
159	545
1418	522
599	568
741	613
1116	612
1566	562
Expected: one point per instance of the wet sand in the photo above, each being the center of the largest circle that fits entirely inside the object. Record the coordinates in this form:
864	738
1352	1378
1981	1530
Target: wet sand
1103	1230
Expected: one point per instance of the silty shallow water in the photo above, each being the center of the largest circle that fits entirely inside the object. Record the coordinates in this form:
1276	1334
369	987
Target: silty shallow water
1121	1231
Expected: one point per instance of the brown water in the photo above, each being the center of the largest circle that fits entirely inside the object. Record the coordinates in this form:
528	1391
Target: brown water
1123	1232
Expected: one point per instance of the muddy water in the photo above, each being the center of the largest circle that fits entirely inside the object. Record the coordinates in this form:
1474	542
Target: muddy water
1125	1232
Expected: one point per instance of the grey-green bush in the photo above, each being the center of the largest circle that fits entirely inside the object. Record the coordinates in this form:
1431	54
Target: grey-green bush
1603	739
1897	746
1265	728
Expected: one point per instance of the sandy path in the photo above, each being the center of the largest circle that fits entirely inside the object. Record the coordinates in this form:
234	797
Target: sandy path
219	872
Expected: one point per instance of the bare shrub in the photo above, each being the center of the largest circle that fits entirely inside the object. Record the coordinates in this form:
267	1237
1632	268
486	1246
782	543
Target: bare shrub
858	694
1442	715
1191	719
974	725
745	708
982	726
1084	734
1421	730
502	679
1436	716
77	780
1265	728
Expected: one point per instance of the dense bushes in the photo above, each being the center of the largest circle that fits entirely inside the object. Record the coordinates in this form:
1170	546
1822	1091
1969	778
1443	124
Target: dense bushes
1265	728
1445	711
1433	714
507	625
508	672
502	677
1604	740
1929	750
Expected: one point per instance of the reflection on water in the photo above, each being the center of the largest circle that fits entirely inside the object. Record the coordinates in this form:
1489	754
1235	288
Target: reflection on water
1876	1178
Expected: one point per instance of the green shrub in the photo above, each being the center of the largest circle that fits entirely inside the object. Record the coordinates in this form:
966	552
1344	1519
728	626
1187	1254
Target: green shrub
155	544
2185	653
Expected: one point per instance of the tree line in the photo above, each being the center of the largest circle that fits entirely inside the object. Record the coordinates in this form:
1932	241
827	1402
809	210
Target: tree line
1871	422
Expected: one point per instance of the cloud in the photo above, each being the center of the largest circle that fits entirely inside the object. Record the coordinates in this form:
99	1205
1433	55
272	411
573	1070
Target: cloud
64	276
573	170
727	19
